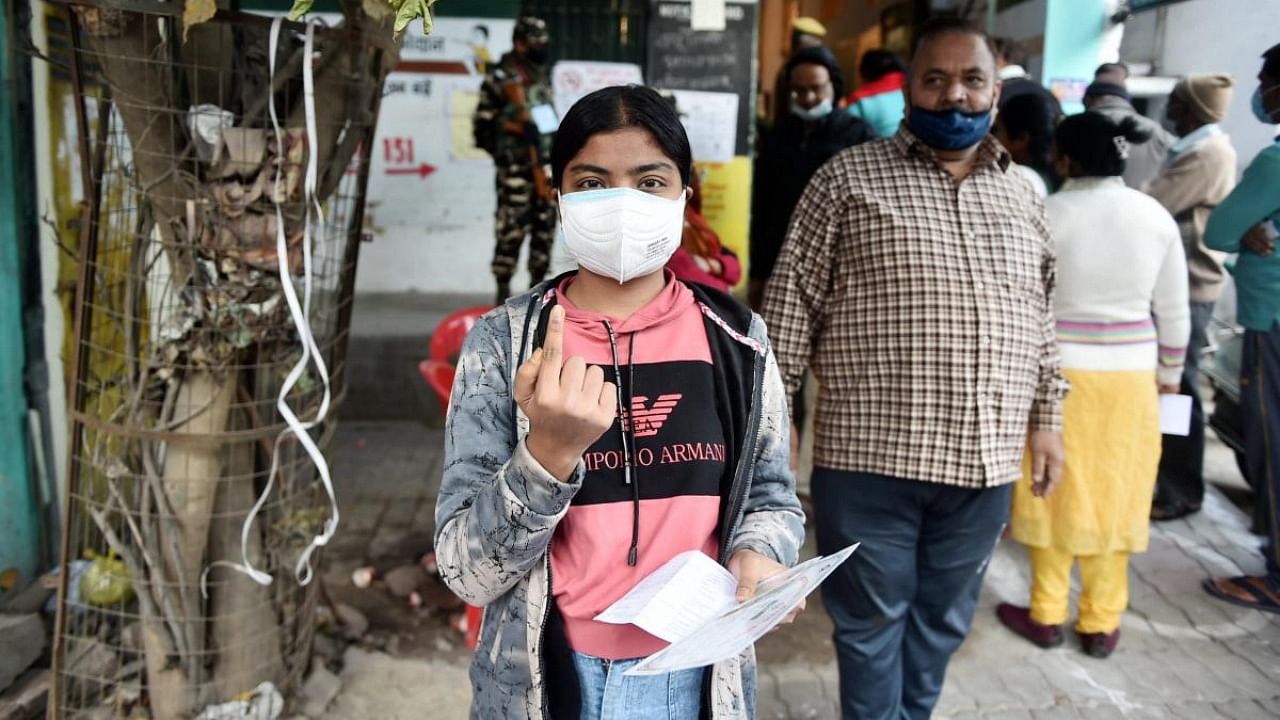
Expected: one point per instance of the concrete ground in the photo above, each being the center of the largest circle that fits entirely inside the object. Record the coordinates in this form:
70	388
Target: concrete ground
1183	654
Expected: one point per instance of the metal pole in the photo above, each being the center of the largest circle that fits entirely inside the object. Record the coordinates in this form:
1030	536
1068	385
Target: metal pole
91	164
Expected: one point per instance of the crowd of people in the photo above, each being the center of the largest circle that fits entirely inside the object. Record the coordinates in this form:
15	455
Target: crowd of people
992	297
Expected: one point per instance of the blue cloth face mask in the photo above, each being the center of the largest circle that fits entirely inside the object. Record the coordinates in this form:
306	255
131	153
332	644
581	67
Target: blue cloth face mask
949	129
1259	108
817	112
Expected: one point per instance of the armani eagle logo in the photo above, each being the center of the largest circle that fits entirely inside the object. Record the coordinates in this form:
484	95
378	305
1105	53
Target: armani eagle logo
650	419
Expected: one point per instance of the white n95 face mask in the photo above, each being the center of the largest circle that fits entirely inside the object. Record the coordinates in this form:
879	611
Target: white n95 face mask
621	233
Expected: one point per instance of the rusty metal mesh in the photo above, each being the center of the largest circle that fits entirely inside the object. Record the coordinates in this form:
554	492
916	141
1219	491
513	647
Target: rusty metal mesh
182	342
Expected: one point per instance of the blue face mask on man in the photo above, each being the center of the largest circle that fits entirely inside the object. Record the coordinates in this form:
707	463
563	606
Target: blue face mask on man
1260	108
949	129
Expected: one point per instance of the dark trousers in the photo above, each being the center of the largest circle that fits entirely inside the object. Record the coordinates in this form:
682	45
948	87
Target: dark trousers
521	212
1260	410
1180	481
903	603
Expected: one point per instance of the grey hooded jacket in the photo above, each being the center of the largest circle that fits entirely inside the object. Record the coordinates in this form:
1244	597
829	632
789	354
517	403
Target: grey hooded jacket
498	508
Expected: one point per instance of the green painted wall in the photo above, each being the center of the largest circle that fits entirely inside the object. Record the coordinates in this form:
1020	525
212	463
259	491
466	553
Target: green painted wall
19	528
1073	31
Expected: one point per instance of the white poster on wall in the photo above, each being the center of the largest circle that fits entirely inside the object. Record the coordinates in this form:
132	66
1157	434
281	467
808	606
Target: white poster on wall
572	79
707	15
711	119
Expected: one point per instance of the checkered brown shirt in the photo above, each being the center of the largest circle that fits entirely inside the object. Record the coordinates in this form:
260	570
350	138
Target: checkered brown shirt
924	307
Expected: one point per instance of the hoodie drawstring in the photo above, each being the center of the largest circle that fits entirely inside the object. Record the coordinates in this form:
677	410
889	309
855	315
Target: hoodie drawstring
627	429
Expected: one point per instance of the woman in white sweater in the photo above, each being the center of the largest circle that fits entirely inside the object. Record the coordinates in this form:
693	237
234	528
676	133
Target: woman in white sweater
1123	323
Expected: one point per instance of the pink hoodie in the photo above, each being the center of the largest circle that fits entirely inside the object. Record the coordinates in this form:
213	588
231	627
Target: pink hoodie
676	447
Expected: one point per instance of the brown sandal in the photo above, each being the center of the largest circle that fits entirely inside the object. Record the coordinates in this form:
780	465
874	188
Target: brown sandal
1263	593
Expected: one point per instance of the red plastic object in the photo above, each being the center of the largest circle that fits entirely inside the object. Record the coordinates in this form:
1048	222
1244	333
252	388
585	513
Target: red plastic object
446	339
438	375
474	614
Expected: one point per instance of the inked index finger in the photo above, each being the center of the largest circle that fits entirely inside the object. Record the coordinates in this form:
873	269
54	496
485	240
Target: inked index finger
553	347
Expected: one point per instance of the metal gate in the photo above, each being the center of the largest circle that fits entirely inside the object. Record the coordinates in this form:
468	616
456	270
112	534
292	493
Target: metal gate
611	31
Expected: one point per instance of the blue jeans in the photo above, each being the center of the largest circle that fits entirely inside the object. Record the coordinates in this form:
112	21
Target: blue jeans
903	603
608	695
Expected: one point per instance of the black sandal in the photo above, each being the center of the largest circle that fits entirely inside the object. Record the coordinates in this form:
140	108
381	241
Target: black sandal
1264	595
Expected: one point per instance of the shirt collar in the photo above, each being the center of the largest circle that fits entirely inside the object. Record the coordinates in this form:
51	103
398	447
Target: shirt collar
990	151
1009	72
1195	137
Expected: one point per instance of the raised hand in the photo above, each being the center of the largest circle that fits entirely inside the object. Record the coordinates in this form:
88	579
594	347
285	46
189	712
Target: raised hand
569	404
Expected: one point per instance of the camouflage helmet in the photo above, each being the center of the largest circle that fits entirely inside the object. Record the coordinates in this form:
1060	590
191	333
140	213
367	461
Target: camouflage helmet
532	30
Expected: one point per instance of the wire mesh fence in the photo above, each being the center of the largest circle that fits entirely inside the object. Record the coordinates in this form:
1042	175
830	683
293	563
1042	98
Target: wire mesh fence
222	206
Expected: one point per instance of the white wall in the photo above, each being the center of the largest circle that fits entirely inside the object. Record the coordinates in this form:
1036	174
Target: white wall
1212	36
1023	21
432	233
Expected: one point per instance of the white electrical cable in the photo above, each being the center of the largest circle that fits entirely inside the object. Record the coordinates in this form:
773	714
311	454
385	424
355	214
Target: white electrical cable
302	570
300	314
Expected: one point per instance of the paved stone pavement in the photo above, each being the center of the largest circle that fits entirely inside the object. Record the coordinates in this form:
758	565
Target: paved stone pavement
1182	653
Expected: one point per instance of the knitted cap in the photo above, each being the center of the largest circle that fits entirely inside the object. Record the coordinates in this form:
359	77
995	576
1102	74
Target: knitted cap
1207	95
809	26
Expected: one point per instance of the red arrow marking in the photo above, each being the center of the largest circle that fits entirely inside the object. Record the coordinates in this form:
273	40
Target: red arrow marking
422	170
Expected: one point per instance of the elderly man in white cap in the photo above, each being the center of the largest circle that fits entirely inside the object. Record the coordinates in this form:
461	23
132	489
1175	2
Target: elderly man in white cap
1199	173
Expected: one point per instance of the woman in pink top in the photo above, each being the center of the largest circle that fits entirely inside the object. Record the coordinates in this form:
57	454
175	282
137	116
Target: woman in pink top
602	424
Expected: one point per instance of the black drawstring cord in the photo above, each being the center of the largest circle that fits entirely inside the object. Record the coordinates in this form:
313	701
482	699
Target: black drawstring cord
622	407
631	430
626	429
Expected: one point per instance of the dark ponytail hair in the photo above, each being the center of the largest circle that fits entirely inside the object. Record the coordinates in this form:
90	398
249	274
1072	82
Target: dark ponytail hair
1098	145
618	108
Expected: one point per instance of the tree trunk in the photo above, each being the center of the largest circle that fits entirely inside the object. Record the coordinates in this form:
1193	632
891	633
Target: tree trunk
143	94
169	689
240	635
192	470
244	630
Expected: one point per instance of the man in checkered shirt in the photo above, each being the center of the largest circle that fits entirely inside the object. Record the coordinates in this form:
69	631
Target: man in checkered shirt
916	282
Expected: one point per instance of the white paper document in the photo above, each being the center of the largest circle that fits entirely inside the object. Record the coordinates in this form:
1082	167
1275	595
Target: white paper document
707	15
677	598
691	604
711	120
1175	414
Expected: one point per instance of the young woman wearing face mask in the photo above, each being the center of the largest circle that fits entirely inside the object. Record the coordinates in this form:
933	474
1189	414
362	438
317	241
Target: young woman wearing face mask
554	504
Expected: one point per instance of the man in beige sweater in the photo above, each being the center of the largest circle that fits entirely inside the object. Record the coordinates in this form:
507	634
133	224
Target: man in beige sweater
1199	172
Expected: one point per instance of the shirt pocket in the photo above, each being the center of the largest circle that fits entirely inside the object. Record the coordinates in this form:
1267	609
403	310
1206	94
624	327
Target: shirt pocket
1017	252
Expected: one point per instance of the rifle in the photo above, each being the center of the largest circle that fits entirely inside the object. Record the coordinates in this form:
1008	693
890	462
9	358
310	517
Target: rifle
514	91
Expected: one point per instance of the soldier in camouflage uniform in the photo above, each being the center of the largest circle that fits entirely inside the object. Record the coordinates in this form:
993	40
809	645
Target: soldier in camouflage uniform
512	88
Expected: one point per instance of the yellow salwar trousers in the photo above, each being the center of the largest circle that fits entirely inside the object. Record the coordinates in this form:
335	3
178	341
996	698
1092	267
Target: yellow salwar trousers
1105	589
1101	511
